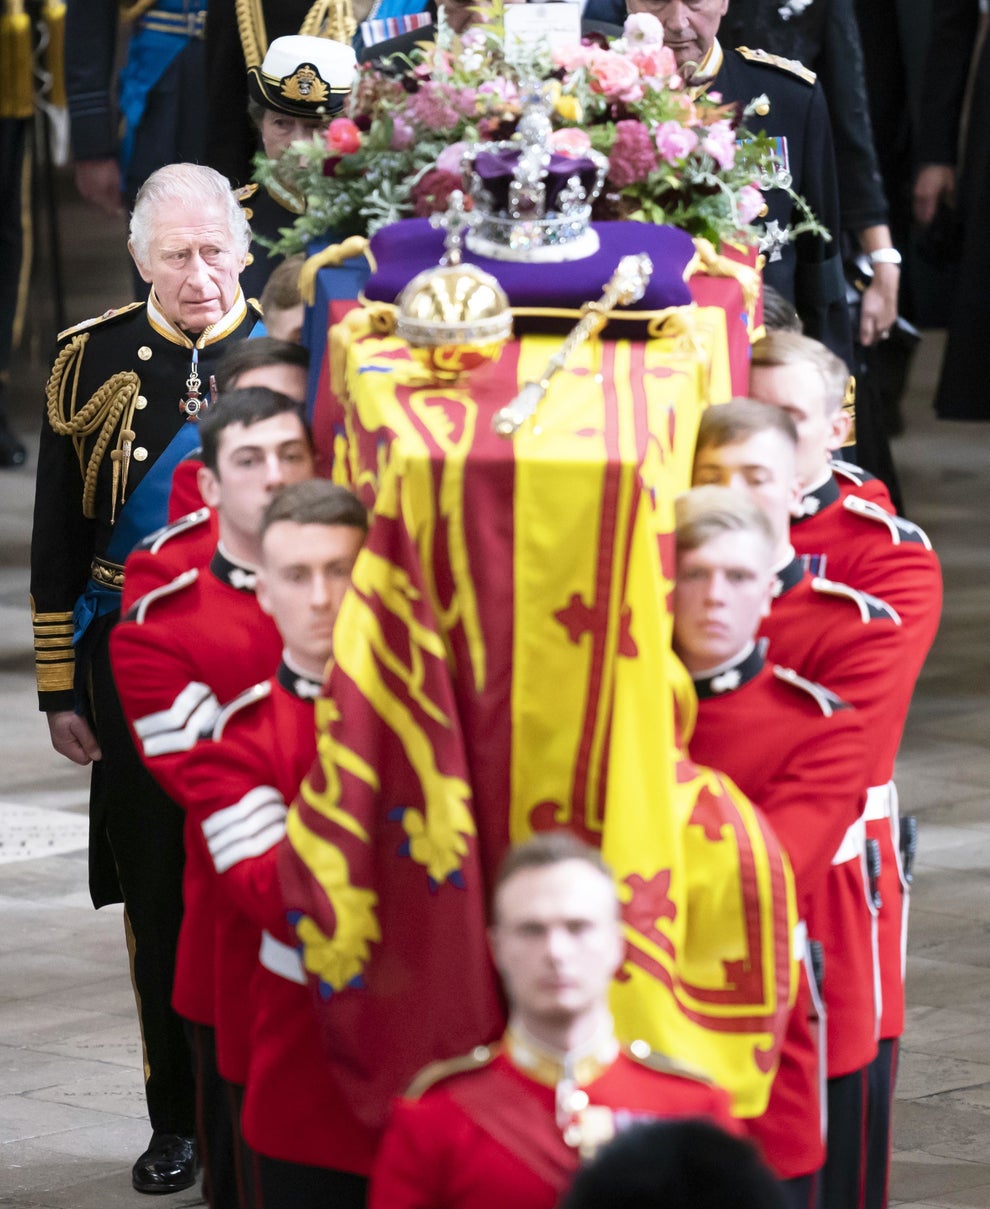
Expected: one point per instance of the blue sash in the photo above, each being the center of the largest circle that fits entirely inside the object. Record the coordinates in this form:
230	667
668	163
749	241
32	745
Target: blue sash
149	54
145	511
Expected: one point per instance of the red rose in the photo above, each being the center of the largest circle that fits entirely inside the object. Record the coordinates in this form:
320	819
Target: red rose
342	136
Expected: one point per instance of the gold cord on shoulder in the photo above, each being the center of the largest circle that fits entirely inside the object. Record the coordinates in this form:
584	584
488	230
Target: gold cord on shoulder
251	27
110	409
330	19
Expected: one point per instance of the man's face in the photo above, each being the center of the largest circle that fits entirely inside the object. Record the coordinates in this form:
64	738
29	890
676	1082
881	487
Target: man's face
286	379
689	26
556	941
253	462
761	466
305	571
278	130
800	391
285	323
192	263
721	595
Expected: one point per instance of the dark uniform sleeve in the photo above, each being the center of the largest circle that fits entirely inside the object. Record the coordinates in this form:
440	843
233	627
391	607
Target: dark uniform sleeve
62	545
952	38
819	284
842	72
90	53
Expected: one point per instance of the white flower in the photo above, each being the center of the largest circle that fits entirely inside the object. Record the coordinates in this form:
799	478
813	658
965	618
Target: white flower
643	29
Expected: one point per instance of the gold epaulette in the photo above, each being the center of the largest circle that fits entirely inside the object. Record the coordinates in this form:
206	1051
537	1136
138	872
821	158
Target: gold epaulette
791	66
246	192
113	313
641	1053
436	1072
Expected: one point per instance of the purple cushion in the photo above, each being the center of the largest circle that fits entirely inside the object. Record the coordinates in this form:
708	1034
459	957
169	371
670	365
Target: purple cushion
406	248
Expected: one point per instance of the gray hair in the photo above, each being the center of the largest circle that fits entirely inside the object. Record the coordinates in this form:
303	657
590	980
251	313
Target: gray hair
191	185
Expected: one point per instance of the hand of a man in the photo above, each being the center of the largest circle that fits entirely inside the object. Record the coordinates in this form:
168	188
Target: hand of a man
934	182
72	738
879	305
99	182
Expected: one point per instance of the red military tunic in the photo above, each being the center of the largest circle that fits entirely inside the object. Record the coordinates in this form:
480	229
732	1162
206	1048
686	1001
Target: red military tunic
489	1130
179	653
852	642
854	480
852	539
237	790
182	544
798	753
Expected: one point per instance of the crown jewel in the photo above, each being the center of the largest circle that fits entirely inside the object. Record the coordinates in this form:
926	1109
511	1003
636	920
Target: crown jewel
531	203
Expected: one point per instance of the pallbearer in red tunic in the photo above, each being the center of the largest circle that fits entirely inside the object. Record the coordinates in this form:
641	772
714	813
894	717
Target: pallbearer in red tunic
793	747
509	1124
850	537
306	1146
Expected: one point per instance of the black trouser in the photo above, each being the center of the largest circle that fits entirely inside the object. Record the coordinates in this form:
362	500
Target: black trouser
845	1156
136	840
882	1075
281	1185
218	1125
803	1191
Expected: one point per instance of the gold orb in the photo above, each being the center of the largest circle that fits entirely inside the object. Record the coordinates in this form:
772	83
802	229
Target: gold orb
455	317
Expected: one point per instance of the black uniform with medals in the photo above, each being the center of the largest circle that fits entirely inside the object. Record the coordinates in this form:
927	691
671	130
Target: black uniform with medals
112	428
808	271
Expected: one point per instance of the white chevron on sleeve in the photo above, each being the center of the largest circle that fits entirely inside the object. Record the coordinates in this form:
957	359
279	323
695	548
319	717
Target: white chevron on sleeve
178	728
248	828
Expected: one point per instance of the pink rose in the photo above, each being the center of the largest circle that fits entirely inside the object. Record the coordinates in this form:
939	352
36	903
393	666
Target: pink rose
614	77
720	143
342	136
675	141
654	62
750	204
570	58
570	141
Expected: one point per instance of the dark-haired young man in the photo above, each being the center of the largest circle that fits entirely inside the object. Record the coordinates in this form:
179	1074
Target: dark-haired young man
183	649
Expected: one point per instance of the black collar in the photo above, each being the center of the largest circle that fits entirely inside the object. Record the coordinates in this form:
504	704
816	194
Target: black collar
296	683
818	499
789	576
236	575
731	676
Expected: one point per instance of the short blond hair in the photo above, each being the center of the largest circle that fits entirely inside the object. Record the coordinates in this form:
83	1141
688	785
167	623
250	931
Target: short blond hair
792	348
728	423
707	512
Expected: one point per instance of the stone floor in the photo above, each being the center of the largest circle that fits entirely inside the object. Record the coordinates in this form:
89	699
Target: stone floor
71	1104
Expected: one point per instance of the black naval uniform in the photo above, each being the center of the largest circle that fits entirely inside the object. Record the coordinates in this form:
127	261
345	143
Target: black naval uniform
267	214
808	271
171	127
116	385
231	137
963	392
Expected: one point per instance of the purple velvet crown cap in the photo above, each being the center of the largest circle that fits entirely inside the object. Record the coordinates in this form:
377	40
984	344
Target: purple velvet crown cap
405	248
496	168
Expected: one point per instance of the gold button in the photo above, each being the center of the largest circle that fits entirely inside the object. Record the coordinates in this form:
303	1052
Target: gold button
764	211
140	453
762	108
144	353
140	403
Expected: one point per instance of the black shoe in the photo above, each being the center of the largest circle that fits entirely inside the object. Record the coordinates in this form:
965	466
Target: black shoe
168	1165
12	452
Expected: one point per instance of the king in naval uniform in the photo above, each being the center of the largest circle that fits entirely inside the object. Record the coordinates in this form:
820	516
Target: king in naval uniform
120	412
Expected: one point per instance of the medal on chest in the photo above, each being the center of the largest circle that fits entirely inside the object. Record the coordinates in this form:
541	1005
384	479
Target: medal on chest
193	402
